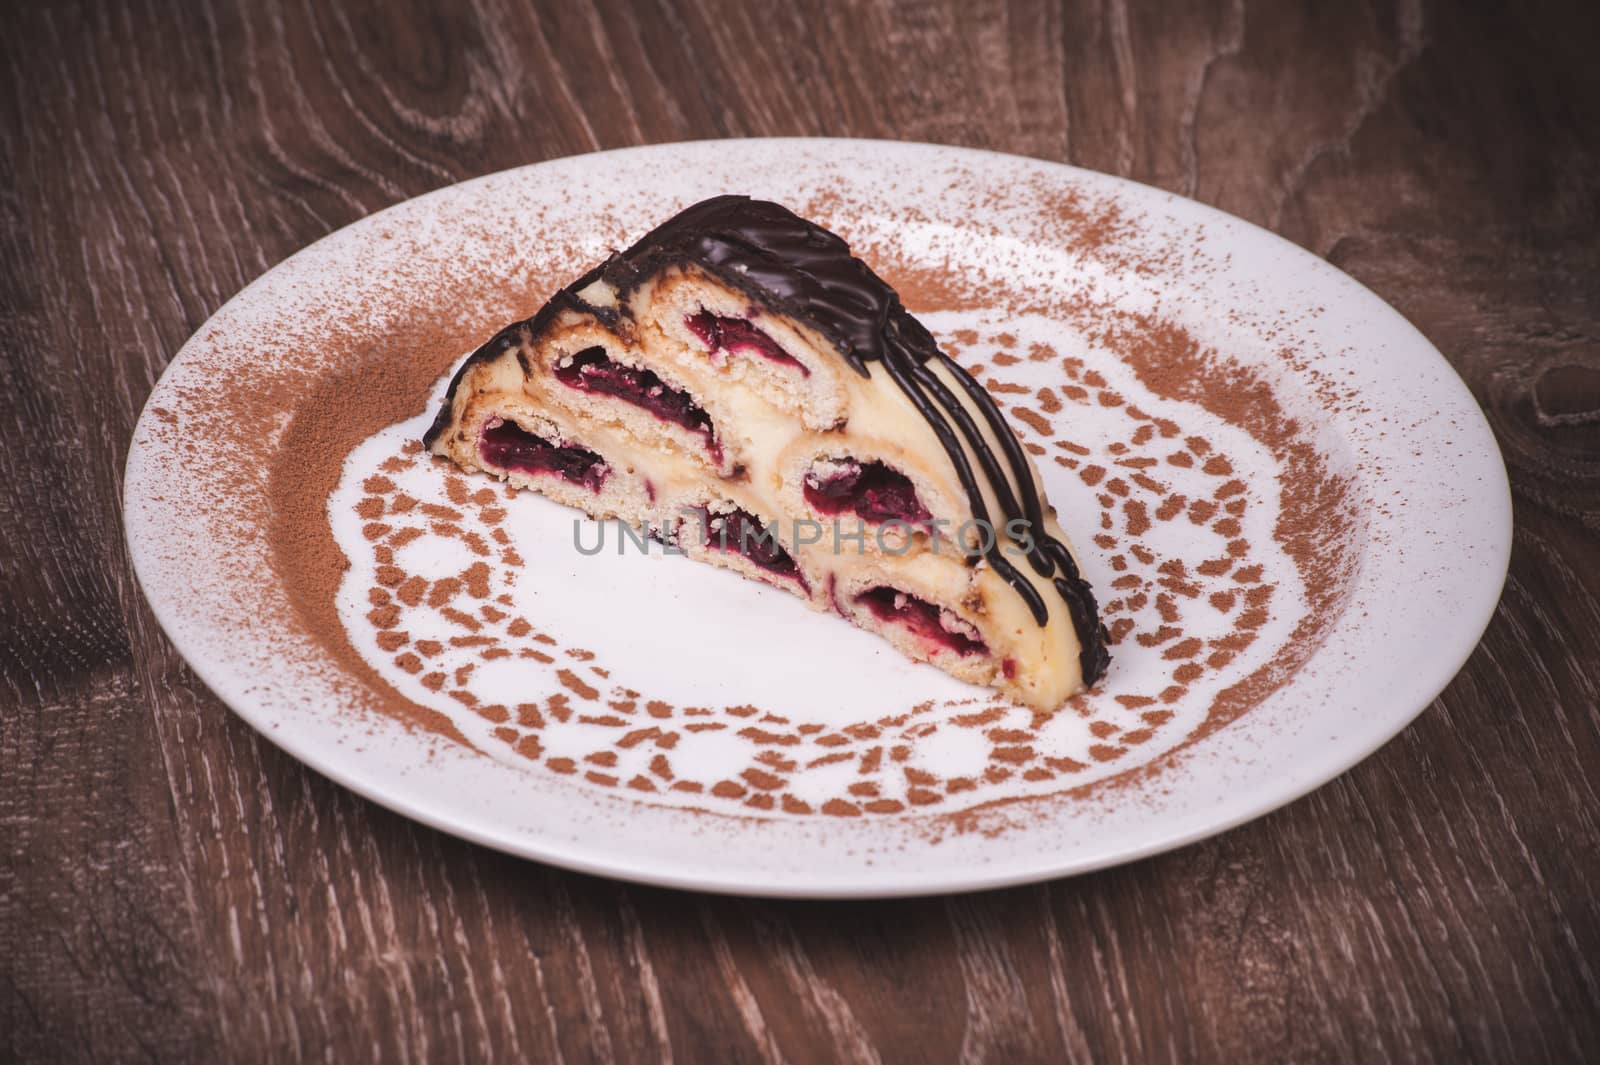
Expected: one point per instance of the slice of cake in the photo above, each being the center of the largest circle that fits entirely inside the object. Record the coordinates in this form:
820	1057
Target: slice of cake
740	385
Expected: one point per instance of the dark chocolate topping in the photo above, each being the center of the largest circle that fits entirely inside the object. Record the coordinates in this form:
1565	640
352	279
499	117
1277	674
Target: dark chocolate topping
781	260
797	268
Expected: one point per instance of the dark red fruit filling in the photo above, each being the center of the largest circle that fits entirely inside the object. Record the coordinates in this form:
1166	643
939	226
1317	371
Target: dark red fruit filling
591	370
508	446
873	491
738	334
920	616
742	533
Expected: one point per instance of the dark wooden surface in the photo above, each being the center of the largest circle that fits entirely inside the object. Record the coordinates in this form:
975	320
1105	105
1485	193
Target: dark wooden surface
173	888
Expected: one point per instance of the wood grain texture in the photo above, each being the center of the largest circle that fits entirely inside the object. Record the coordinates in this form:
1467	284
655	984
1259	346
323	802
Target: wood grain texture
172	888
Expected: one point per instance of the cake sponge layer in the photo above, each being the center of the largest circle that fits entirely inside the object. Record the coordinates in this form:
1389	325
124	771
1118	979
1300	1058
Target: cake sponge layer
739	385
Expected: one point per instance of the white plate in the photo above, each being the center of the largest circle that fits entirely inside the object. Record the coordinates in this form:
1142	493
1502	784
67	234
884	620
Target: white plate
1405	580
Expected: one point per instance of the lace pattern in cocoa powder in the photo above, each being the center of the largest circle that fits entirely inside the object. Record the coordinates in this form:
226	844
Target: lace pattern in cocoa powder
378	380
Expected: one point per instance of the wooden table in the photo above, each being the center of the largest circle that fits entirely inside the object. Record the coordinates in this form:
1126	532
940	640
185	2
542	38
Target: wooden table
174	888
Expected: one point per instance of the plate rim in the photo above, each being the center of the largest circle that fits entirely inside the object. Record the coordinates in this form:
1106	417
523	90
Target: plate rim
1480	610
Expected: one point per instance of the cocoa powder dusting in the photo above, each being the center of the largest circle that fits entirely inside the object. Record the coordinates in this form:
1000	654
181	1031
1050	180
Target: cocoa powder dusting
361	381
378	381
309	563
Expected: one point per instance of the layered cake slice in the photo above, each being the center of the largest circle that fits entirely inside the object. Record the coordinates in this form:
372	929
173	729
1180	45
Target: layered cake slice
738	384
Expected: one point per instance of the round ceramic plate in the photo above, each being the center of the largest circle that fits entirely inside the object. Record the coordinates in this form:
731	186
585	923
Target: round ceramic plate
1293	512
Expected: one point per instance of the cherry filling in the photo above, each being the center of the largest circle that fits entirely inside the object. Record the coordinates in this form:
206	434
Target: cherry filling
923	618
873	491
507	446
738	334
591	370
742	533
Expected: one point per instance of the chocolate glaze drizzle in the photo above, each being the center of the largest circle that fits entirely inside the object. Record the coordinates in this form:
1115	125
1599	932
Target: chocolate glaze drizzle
800	269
